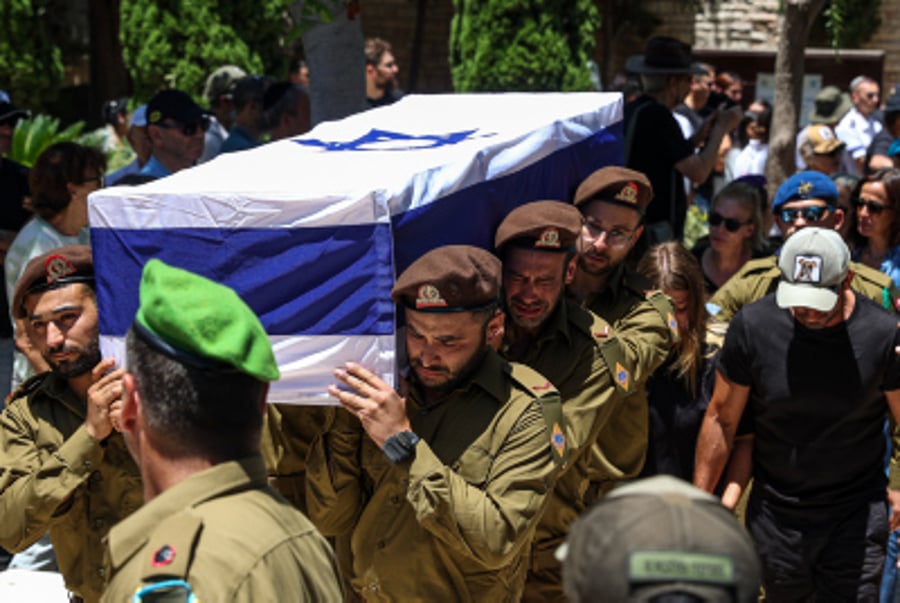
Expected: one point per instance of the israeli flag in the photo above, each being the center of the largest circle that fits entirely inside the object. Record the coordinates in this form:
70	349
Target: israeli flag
311	232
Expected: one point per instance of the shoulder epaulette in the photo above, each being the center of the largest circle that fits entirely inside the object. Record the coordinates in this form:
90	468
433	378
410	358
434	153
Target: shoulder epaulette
170	549
611	349
878	286
661	302
551	407
758	266
28	386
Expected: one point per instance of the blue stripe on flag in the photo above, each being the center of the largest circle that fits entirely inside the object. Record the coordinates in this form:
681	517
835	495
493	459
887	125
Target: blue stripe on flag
310	281
472	215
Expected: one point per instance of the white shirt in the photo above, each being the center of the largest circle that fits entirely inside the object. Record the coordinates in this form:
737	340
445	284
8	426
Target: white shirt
857	132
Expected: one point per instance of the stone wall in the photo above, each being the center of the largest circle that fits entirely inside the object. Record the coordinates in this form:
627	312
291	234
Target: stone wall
733	25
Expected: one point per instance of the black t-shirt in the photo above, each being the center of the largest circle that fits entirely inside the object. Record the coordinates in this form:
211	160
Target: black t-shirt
657	144
675	418
816	401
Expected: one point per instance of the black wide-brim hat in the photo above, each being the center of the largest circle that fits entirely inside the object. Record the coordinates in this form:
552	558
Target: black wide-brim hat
9	111
664	56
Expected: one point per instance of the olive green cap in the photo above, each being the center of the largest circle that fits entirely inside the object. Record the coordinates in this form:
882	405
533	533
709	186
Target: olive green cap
201	322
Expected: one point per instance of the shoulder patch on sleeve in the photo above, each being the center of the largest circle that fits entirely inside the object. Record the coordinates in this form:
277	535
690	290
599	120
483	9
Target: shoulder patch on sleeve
170	549
551	408
660	301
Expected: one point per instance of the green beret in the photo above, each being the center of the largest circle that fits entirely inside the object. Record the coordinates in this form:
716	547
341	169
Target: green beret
201	322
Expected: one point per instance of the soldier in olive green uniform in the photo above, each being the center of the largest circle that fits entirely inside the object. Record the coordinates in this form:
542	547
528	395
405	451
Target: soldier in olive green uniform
212	530
573	347
612	201
62	467
444	489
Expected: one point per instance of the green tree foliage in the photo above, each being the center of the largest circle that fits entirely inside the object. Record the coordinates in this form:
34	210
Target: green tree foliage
527	45
847	23
32	136
31	69
177	43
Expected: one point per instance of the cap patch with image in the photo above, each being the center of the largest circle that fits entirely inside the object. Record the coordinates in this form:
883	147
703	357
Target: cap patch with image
808	269
429	297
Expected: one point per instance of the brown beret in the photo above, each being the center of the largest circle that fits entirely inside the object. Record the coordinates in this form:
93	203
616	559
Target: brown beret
453	278
616	184
56	268
541	225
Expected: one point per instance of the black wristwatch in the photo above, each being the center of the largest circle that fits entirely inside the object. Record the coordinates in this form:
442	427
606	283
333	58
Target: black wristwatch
400	447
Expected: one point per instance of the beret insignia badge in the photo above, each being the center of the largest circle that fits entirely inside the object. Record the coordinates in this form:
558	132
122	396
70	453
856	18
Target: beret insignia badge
549	238
57	267
628	194
163	556
804	188
428	296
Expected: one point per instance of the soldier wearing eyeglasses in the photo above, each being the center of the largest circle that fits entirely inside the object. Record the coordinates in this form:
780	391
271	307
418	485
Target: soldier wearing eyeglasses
175	127
612	201
806	199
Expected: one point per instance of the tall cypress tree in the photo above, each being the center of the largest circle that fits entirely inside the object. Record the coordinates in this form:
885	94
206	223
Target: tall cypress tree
524	45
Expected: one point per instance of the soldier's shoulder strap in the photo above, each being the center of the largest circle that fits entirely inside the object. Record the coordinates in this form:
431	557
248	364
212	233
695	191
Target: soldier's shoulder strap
874	284
550	403
611	350
28	387
661	302
168	555
754	268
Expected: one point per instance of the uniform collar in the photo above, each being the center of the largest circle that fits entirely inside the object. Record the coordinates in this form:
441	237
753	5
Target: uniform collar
126	538
490	376
58	388
557	322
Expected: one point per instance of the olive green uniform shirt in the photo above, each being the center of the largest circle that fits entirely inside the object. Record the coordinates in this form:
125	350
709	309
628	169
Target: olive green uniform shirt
56	477
456	522
645	325
229	536
578	352
287	436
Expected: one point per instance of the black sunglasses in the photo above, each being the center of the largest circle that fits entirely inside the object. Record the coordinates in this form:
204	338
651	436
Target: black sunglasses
731	225
186	129
810	214
874	207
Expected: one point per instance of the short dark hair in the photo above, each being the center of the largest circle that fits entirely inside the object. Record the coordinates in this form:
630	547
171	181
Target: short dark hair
250	89
285	102
375	49
193	410
58	165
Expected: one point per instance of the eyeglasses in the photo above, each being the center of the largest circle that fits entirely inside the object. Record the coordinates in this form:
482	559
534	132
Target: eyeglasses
186	129
874	207
871	95
731	225
615	237
810	214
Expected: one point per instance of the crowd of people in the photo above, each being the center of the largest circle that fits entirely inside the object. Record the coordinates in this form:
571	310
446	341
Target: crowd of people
588	348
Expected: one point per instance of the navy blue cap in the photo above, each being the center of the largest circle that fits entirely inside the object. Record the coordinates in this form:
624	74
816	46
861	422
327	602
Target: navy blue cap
806	185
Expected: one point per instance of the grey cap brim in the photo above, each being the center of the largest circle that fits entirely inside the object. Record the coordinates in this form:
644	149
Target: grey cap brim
804	295
637	64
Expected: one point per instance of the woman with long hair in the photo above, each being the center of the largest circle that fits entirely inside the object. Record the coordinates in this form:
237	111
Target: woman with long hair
679	390
736	234
876	242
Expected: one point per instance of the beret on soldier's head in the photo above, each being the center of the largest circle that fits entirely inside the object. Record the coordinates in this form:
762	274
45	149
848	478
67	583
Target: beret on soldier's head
201	323
616	184
541	225
56	268
453	278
